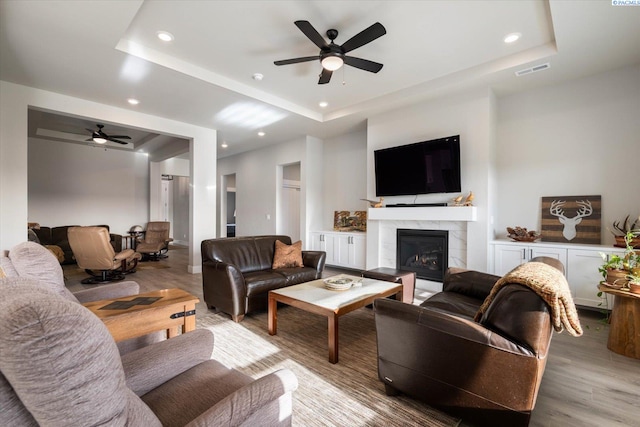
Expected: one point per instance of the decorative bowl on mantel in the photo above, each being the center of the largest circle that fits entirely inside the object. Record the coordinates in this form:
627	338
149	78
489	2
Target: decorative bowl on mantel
520	234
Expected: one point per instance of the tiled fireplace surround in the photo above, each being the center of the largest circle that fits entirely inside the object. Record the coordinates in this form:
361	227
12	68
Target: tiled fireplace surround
383	223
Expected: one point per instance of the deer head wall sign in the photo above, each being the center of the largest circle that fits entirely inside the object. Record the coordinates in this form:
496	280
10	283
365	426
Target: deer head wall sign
574	219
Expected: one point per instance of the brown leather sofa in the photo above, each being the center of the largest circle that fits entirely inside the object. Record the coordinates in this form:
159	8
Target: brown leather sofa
237	274
486	372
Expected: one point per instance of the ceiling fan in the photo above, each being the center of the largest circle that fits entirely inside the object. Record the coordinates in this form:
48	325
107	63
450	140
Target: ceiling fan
99	137
333	56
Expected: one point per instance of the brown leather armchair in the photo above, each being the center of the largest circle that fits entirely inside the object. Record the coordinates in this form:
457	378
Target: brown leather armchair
156	240
489	371
93	251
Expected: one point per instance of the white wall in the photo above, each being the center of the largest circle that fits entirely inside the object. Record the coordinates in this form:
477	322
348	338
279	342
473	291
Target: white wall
15	100
72	184
256	175
578	138
470	116
345	175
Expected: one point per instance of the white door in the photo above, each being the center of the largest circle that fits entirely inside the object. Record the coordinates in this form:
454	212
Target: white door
291	210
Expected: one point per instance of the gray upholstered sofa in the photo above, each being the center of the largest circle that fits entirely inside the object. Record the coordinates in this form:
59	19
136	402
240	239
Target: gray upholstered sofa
237	274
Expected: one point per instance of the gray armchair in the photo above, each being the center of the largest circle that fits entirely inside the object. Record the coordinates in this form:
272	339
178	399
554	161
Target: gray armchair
32	261
74	375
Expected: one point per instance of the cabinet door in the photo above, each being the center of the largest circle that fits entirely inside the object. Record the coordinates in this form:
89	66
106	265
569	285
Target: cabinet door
317	242
558	253
583	278
358	252
508	257
330	248
342	252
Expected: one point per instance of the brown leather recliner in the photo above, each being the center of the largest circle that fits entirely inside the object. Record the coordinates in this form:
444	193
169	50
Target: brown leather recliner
156	240
487	372
94	253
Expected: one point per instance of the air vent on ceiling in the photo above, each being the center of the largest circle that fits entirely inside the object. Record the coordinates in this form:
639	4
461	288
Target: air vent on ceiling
533	69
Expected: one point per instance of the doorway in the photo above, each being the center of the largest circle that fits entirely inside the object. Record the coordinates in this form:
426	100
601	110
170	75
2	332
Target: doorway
228	206
289	202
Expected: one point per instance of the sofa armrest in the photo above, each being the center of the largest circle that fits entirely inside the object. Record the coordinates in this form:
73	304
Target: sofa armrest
110	291
246	403
314	259
224	287
469	282
148	367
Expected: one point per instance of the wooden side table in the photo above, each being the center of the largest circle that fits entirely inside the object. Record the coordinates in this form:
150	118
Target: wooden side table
137	315
624	329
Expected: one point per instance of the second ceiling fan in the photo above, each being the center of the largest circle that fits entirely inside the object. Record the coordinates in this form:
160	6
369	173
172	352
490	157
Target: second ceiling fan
333	56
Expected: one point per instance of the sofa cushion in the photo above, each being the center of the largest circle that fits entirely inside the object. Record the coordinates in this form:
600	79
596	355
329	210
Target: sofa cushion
287	256
298	275
260	282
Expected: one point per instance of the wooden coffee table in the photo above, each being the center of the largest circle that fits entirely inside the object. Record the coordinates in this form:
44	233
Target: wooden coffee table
315	298
141	314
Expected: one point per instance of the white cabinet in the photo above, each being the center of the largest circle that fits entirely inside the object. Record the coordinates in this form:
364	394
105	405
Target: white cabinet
344	249
581	264
507	256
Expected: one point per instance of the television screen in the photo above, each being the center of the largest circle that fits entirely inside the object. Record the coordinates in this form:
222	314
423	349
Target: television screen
420	168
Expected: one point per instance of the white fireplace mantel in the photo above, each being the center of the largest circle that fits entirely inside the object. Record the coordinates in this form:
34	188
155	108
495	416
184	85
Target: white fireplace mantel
433	213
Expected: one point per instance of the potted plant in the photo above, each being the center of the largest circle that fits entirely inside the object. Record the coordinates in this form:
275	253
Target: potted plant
634	282
618	269
621	230
613	271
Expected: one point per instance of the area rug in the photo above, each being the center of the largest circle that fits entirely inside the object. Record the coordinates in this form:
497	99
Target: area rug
344	394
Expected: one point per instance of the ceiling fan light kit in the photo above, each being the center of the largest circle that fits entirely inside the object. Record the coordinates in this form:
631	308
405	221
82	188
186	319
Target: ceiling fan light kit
333	56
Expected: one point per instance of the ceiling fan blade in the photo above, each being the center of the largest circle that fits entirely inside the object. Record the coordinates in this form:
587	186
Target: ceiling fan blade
363	64
120	136
325	77
88	140
296	60
363	37
115	140
90	130
312	34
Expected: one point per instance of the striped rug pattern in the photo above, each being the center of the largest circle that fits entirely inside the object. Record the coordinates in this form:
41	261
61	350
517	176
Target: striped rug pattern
345	394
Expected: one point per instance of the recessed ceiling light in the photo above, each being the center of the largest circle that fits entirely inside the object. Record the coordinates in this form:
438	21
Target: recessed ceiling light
133	101
224	145
323	104
165	36
257	77
260	133
512	37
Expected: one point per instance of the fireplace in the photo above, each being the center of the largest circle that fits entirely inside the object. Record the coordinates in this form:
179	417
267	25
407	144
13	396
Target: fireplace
424	252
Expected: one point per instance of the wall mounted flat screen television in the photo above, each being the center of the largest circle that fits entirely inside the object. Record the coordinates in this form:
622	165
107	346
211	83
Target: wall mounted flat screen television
420	168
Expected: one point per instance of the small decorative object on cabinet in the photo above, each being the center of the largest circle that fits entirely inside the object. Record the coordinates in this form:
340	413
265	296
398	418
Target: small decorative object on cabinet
574	219
373	203
520	234
621	230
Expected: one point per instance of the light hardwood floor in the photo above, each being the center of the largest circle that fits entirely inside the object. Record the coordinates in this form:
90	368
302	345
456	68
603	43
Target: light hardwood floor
584	384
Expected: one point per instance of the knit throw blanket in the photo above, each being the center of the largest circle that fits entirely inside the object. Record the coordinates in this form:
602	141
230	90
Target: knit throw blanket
551	285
